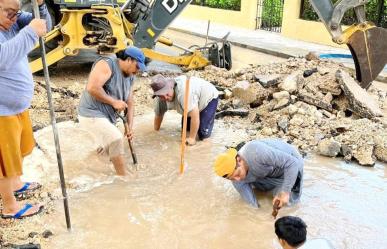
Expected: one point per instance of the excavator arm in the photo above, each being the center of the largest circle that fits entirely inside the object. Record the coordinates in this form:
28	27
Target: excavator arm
109	28
366	42
155	21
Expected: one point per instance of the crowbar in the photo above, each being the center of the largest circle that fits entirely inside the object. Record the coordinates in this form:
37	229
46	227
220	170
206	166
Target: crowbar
53	120
185	118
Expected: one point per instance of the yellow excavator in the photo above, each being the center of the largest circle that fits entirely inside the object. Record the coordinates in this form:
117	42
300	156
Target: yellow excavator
110	25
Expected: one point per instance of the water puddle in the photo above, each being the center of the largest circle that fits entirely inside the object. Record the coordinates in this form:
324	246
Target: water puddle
158	208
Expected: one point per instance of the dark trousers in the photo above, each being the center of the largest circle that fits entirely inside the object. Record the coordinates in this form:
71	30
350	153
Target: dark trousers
268	184
207	118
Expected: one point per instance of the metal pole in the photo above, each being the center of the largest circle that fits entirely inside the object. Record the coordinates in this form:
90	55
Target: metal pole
126	4
53	121
208	30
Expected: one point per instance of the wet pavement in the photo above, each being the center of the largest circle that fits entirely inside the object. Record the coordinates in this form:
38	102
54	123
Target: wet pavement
158	208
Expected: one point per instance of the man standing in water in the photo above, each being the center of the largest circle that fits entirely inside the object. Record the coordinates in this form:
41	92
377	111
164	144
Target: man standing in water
202	103
267	165
19	32
110	90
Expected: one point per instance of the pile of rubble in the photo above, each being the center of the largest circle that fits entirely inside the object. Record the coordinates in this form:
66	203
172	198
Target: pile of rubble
314	104
65	101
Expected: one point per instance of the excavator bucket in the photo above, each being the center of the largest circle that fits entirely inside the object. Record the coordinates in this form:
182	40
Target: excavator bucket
369	51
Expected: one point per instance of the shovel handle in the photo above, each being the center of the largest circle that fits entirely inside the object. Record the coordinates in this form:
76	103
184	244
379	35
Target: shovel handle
134	156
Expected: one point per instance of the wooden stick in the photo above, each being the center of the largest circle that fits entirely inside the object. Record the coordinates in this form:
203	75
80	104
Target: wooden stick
185	118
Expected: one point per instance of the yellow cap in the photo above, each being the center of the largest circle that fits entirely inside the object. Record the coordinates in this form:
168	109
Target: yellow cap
225	163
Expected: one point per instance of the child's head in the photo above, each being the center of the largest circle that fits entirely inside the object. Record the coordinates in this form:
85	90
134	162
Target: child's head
291	231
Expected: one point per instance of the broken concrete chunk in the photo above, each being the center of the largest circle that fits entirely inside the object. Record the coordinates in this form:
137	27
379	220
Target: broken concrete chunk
236	112
309	72
243	91
237	103
268	80
292	109
329	147
297	120
323	70
361	102
281	95
267	131
290	82
364	155
281	103
381	148
227	94
328	98
283	124
312	56
314	101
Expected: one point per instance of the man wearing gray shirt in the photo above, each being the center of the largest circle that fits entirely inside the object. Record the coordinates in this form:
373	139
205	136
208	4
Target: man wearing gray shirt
267	165
202	103
110	90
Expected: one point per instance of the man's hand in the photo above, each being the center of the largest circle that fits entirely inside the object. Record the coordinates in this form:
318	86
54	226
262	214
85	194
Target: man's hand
283	199
190	141
119	105
129	135
39	26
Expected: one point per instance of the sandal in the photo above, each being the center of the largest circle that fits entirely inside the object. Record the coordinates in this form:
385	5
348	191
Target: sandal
21	212
26	190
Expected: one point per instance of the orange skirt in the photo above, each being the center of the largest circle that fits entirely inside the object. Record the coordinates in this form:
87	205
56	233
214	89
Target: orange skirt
16	142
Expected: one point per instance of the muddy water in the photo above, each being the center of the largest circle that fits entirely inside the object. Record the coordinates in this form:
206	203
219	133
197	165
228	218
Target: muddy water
158	208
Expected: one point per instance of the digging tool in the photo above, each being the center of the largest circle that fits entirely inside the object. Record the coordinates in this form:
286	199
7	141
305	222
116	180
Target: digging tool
276	208
185	118
366	42
125	121
53	120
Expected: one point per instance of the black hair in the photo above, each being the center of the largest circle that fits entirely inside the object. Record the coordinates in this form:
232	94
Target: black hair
240	145
291	229
122	55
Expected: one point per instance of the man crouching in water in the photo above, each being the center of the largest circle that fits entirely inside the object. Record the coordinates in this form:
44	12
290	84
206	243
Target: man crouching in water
267	165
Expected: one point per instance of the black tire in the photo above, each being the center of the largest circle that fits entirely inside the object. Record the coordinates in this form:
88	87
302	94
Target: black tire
137	10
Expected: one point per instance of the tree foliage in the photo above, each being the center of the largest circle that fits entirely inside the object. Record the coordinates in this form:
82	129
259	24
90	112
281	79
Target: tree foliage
220	4
376	11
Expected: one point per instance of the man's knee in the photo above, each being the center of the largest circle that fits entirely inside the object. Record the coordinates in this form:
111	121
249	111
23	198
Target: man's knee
116	148
205	133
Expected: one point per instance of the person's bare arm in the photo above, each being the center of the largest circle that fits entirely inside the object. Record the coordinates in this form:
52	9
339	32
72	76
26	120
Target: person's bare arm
195	122
97	79
157	122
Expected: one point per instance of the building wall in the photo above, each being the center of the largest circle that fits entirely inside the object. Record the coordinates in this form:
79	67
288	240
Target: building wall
245	18
296	28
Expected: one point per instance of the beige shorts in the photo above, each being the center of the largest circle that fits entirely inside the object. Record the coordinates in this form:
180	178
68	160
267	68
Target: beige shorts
108	136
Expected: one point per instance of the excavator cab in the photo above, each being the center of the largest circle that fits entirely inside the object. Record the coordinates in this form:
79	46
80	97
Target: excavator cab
366	42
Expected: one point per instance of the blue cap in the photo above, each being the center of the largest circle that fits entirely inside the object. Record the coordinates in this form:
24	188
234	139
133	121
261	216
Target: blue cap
138	55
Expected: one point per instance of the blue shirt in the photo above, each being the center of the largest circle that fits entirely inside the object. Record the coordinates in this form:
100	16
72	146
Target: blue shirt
268	158
16	84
